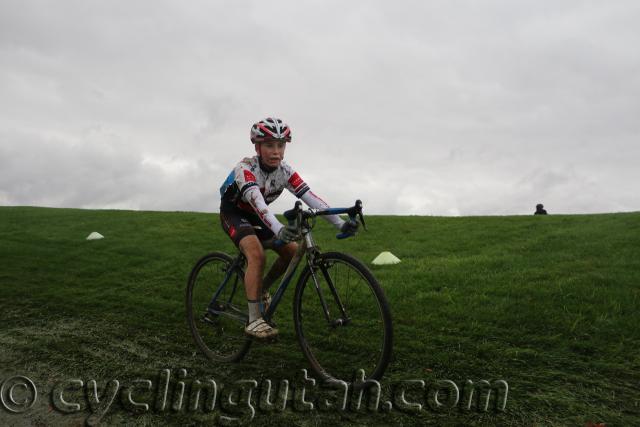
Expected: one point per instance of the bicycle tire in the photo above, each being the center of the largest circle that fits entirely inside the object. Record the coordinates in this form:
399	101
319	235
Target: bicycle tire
365	342
220	338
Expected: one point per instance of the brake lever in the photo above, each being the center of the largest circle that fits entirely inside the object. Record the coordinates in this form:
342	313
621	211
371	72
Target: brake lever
364	226
358	207
354	213
294	215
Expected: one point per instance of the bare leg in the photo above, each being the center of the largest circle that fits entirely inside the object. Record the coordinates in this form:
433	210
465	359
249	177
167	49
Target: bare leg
252	250
280	265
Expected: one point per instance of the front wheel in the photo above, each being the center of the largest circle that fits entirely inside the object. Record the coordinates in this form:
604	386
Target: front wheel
342	319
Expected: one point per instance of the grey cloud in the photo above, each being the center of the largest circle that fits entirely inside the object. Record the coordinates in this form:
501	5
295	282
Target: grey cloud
418	107
99	171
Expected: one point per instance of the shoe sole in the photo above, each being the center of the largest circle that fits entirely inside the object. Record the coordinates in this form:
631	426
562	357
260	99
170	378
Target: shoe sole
266	338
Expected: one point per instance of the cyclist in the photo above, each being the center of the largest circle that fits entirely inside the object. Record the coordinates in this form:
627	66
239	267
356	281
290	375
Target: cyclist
253	184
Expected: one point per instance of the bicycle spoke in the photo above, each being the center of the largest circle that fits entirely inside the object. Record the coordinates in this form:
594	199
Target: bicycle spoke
358	335
219	332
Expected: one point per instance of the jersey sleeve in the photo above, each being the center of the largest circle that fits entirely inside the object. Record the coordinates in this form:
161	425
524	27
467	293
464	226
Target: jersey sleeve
244	177
316	202
295	184
300	189
253	196
250	193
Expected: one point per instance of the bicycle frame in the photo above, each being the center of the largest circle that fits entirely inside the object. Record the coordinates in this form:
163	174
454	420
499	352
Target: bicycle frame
350	299
306	247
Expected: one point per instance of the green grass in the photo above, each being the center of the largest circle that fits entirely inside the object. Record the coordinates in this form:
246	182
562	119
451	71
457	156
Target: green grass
548	304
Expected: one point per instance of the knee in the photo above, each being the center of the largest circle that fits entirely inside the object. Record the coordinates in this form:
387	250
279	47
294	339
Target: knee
290	250
255	254
256	257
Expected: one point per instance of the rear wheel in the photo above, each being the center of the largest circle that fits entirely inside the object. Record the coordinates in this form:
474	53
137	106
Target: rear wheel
217	326
357	334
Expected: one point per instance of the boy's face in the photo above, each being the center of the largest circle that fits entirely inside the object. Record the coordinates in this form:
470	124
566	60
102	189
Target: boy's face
271	152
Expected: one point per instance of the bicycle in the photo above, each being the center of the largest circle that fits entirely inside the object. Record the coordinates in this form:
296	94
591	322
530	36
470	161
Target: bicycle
337	303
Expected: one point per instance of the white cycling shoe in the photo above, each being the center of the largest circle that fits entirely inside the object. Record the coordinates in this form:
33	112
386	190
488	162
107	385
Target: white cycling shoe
260	329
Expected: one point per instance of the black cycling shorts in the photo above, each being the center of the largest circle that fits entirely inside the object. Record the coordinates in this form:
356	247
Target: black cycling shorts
238	223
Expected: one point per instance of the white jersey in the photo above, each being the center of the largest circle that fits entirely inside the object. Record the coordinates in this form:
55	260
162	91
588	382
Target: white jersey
251	188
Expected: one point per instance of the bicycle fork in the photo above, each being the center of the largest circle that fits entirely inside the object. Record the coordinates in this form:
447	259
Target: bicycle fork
344	319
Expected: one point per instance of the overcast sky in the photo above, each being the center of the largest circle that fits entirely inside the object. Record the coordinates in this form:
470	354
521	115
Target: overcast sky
416	107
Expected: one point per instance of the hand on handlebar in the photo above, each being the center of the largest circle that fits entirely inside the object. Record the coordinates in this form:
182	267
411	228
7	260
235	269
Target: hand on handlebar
287	234
350	226
348	229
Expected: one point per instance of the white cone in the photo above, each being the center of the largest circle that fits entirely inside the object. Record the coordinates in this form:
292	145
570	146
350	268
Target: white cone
385	258
95	236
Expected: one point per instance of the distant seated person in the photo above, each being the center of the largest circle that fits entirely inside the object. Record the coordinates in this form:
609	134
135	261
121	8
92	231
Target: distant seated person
540	210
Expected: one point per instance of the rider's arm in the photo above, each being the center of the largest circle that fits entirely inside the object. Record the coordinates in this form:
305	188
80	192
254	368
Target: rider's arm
313	201
250	193
300	189
253	196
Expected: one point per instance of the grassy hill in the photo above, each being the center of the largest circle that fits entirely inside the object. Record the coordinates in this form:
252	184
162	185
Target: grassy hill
548	304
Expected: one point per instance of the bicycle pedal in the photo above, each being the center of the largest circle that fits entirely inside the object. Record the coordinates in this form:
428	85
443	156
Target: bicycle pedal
218	306
209	318
267	340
